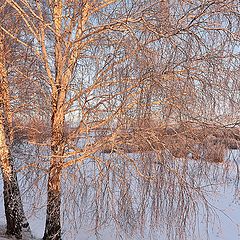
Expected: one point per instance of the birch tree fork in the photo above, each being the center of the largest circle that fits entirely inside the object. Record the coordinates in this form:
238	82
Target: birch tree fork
14	212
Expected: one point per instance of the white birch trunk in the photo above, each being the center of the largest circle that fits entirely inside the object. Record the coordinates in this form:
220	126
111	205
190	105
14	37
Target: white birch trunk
14	212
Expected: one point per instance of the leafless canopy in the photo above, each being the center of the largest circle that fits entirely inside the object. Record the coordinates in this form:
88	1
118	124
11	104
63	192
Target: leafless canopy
130	92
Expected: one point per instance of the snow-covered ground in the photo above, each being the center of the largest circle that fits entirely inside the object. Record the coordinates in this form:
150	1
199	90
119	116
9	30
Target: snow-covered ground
225	226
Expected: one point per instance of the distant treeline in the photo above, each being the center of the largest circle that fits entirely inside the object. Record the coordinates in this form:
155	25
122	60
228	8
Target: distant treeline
185	140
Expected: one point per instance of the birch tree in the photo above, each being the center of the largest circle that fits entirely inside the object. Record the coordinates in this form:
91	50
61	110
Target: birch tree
102	60
14	212
64	33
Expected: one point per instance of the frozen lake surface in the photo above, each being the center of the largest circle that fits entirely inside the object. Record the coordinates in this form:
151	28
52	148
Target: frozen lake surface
224	226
